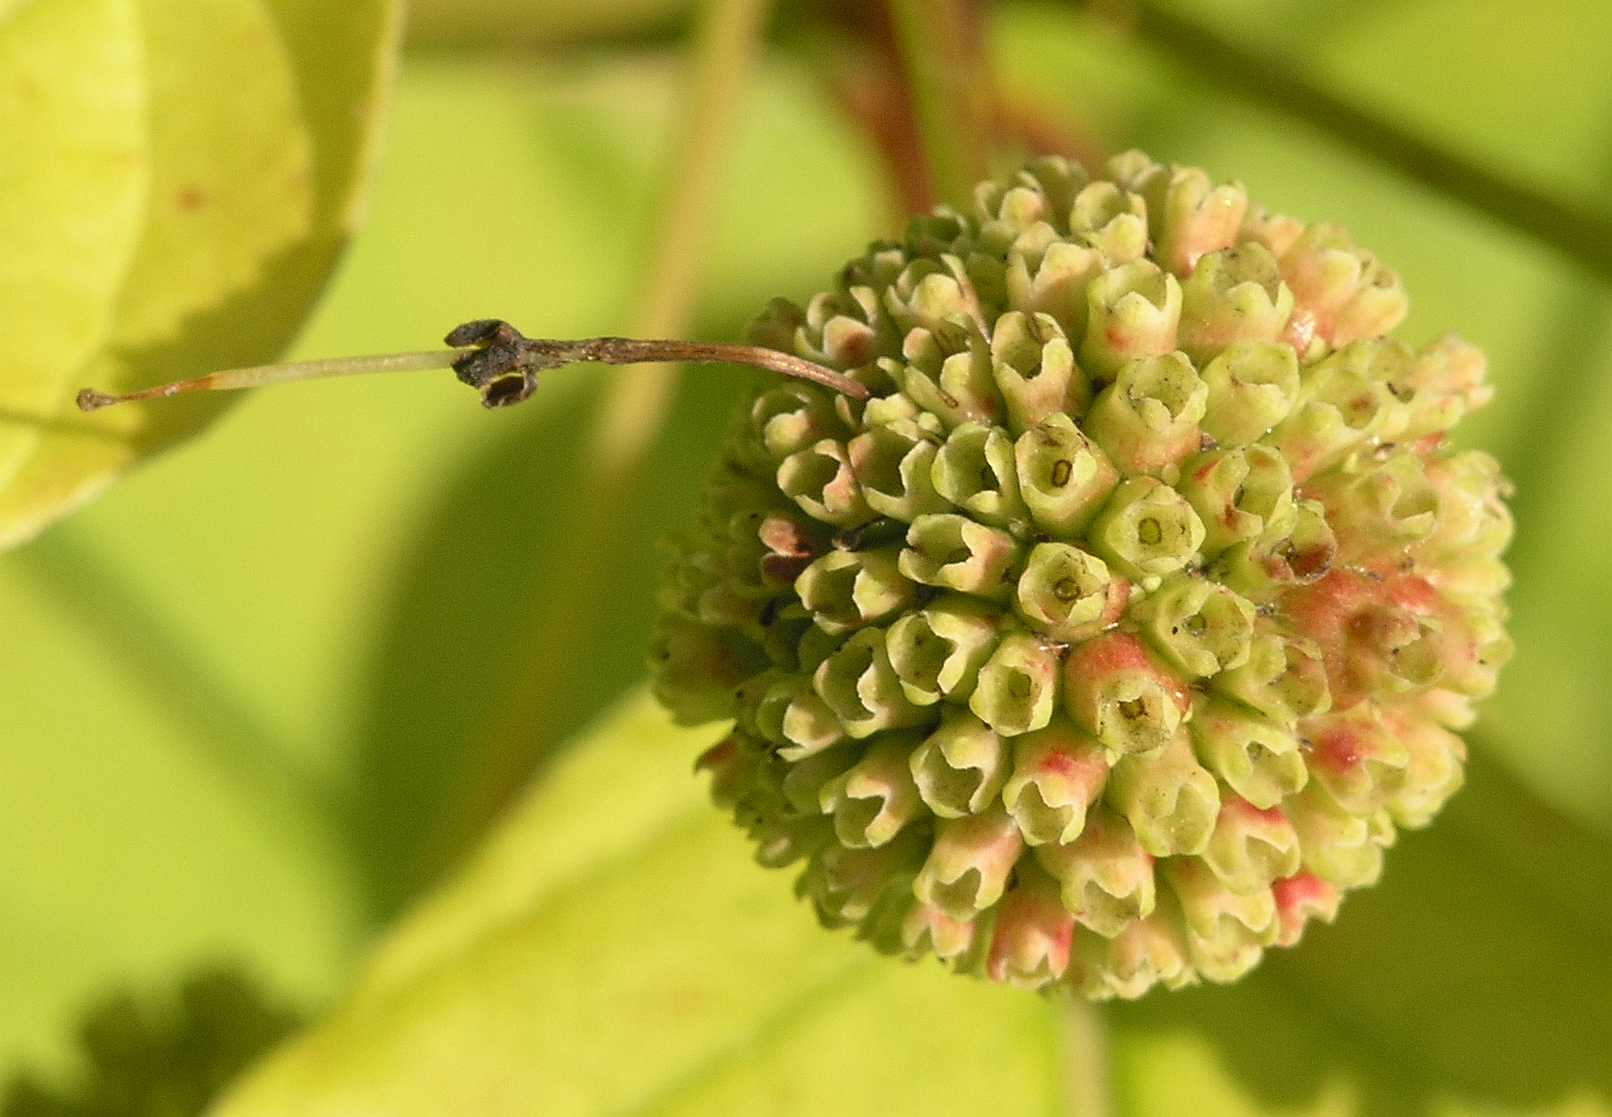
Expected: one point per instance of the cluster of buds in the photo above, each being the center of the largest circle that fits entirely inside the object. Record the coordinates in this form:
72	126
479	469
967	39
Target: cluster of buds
1115	634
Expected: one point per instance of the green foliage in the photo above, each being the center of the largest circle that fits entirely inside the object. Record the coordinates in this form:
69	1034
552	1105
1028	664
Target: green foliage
610	950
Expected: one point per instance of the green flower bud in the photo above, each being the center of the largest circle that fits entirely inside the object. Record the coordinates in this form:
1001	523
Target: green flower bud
1063	477
892	462
1035	369
1169	799
1018	685
795	720
1252	387
1148	952
1359	762
969	864
1251	848
1146	557
1285	679
1053	282
1293	551
1111	220
1238	493
848	589
947	371
1434	770
872	801
1189	216
1200	627
1227	931
1146	421
1132	311
1034	932
844	884
859	685
1147	529
1378	508
1058	773
1343	849
1068	594
821	481
844	329
1105	877
975	471
1256	757
1233	296
957	553
931	291
1340	292
1300	899
1346	401
1114	690
959	768
1445	384
937	651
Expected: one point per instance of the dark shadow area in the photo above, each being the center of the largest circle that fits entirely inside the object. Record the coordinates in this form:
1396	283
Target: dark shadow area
469	635
144	1056
1477	971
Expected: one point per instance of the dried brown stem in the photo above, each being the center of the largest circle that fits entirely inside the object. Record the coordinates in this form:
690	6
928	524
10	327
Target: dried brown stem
503	365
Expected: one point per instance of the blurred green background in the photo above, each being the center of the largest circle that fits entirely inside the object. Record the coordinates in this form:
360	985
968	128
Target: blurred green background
252	696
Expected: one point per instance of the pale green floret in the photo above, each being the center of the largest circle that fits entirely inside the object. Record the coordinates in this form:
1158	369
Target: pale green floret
892	462
1147	529
1105	876
1018	685
872	801
1132	311
953	552
1233	297
968	866
1238	493
1202	628
1058	773
1111	220
947	371
845	590
1067	594
1284	679
1035	370
1146	421
974	470
1251	849
960	767
1255	756
1170	800
1104	645
937	651
859	685
1252	387
1063	477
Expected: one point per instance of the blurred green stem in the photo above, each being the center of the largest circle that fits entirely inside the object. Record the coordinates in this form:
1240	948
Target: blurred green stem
1582	234
1087	1063
635	404
940	45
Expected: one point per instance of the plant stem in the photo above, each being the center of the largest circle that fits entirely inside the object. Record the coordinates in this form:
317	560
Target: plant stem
949	89
504	365
1582	234
633	410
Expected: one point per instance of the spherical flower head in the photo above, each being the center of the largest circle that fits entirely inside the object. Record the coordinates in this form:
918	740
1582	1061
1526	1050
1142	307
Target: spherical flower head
1115	635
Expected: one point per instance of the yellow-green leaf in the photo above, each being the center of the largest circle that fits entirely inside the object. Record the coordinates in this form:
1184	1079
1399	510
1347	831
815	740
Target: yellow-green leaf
255	138
73	175
614	950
